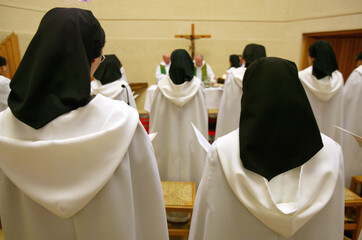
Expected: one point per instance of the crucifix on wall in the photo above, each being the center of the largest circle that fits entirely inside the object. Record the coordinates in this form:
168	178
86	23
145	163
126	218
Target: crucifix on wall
192	38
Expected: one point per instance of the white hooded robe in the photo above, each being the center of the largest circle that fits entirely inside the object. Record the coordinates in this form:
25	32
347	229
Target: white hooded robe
326	98
89	174
173	109
228	117
234	203
117	90
352	100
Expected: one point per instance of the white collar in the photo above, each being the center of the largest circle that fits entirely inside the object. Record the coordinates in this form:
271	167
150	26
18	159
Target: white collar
359	69
325	88
238	75
111	90
164	64
63	175
179	94
282	210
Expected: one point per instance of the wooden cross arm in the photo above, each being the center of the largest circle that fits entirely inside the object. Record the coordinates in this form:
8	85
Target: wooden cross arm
202	36
183	36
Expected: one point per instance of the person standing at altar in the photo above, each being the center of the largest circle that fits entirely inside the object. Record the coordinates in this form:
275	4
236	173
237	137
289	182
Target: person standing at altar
74	165
228	118
108	81
276	176
163	68
4	84
352	106
323	84
203	71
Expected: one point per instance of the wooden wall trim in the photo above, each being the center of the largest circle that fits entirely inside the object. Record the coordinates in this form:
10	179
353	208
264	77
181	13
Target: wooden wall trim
9	49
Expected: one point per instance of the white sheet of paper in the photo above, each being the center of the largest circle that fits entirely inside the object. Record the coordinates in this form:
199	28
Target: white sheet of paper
358	138
201	139
152	136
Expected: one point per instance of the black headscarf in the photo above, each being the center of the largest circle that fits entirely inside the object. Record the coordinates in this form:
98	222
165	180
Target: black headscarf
278	131
53	77
325	61
253	52
359	57
182	67
109	70
234	61
2	61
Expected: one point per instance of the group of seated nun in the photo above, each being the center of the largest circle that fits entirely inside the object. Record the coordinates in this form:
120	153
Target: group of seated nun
81	166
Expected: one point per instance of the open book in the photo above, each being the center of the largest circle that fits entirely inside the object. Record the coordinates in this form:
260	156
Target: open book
201	139
152	136
358	138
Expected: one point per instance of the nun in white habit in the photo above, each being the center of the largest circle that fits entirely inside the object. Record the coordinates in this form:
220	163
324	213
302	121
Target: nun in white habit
277	176
4	85
108	81
323	84
74	166
179	101
352	103
229	109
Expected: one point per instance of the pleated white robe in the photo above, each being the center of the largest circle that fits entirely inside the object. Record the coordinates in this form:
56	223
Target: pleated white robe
234	203
173	109
228	117
89	174
352	100
326	98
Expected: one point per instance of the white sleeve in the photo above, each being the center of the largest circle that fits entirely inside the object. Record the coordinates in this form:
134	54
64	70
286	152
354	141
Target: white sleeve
124	76
158	74
210	73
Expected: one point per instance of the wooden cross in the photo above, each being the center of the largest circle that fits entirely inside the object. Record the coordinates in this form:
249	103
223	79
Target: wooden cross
192	37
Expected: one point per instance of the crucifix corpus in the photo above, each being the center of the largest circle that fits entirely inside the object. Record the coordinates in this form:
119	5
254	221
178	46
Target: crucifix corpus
192	37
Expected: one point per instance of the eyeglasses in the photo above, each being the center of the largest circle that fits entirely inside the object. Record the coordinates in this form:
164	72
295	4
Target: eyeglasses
103	58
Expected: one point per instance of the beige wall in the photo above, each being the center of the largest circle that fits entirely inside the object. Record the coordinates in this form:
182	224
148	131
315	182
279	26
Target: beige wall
139	31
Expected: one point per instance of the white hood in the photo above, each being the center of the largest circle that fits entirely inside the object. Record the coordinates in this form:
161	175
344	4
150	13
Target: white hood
64	175
238	75
111	90
359	70
324	88
179	94
306	189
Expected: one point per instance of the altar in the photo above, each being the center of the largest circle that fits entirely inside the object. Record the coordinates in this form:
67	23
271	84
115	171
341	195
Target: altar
213	97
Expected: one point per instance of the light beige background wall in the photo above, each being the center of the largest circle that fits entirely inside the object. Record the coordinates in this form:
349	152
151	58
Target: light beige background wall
140	31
